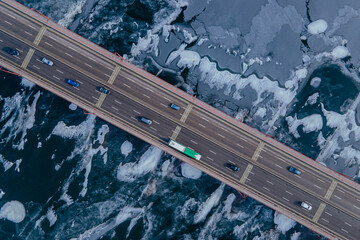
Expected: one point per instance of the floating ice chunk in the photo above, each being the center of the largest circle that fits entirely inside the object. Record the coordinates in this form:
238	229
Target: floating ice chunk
295	236
189	38
17	163
315	82
321	140
148	162
147	44
283	223
310	124
261	112
51	216
317	27
73	10
2	193
187	58
72	106
206	206
189	171
13	211
333	119
101	133
26	83
6	164
312	99
340	52
126	148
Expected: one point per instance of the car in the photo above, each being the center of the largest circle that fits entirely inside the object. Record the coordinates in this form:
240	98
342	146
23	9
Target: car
294	170
72	82
11	51
145	120
232	167
104	90
306	206
47	61
174	106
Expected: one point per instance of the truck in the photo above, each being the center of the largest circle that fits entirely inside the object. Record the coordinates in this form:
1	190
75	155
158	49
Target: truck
187	151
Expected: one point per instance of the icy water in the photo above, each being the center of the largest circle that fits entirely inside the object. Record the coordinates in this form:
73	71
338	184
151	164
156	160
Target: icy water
78	177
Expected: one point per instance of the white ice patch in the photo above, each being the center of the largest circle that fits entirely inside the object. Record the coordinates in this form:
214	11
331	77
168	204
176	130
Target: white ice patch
13	211
321	140
206	206
283	223
312	99
310	124
189	171
350	155
126	148
295	236
2	193
101	134
72	12
317	27
147	163
6	164
261	112
186	58
72	106
340	52
189	38
333	119
17	165
51	216
19	118
101	229
82	133
146	44
26	83
315	82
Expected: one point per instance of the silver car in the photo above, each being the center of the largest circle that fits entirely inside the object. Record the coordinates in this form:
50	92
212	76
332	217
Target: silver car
145	120
47	61
306	206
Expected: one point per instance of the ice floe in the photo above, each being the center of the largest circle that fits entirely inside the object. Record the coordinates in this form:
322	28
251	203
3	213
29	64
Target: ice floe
283	223
128	172
317	27
189	171
126	148
186	58
315	82
310	123
13	211
73	10
340	52
205	207
26	83
72	106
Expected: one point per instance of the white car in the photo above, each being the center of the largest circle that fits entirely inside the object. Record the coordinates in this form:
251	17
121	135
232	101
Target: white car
47	61
306	206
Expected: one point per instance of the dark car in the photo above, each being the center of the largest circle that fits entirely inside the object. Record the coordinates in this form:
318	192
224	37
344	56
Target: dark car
145	120
294	170
104	90
174	106
11	51
232	167
72	82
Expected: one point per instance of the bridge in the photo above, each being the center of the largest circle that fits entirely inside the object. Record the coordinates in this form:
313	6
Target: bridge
220	139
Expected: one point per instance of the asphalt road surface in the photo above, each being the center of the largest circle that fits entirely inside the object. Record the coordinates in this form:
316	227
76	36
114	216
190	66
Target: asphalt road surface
263	168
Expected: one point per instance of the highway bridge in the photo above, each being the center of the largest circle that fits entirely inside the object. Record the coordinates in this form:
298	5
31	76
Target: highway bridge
219	138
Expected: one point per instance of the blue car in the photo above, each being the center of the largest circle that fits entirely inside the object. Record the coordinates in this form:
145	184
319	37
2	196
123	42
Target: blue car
11	51
294	170
174	106
72	83
232	167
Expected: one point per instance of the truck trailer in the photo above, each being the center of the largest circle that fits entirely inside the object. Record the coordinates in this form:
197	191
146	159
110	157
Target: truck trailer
187	151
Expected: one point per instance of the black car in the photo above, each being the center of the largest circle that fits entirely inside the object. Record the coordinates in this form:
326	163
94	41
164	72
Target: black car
232	167
11	51
104	90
